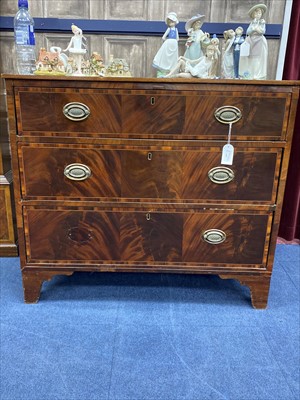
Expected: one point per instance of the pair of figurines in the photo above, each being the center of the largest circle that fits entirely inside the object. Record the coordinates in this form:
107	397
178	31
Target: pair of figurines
247	58
232	49
201	55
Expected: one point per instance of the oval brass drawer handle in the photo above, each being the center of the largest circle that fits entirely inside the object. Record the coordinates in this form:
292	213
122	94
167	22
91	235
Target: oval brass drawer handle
221	175
76	111
77	172
228	114
214	236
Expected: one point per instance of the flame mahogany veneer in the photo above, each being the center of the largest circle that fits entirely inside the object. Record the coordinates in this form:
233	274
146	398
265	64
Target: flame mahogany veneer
126	175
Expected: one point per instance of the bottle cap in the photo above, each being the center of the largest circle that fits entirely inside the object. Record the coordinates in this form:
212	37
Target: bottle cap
23	3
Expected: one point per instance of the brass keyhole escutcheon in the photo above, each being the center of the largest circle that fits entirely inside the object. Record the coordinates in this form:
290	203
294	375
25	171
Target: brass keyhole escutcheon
149	156
152	101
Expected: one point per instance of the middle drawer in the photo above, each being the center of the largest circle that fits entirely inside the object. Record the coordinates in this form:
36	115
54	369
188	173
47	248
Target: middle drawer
91	172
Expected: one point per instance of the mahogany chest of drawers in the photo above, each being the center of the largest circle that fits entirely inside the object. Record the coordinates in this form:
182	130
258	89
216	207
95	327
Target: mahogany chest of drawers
126	175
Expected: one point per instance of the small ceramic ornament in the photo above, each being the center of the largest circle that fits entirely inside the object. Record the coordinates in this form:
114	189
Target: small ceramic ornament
96	65
117	67
50	62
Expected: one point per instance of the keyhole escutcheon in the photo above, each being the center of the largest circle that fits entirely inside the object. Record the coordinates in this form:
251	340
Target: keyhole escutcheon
152	101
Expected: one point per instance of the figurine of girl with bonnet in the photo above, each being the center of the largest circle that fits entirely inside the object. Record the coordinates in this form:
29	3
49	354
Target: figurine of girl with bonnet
167	56
198	40
253	61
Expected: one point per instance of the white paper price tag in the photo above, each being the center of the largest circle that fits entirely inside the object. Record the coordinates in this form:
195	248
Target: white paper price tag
228	149
245	49
227	154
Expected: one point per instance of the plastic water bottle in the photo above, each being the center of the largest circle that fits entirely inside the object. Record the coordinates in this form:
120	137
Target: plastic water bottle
24	39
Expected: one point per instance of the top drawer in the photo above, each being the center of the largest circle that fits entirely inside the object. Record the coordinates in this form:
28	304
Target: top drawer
155	113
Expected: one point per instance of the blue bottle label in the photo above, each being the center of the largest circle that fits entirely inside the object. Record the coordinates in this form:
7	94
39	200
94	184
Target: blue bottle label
31	38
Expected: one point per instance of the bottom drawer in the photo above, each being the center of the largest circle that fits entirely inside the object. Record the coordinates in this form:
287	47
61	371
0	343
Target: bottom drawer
146	238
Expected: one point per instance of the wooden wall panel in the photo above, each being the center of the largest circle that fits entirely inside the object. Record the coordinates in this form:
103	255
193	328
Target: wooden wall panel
131	48
215	10
184	9
6	46
9	7
76	9
127	9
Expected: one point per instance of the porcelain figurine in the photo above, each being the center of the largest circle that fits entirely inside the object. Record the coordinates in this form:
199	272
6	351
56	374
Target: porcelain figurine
197	40
227	62
215	63
167	56
254	51
237	43
203	67
76	48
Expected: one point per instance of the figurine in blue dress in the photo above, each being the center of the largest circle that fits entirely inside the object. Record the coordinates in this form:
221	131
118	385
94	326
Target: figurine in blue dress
167	56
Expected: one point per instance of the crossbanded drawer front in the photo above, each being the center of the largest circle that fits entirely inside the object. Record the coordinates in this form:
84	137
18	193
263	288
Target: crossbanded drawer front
194	114
261	115
160	114
93	172
146	237
196	175
68	111
70	172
